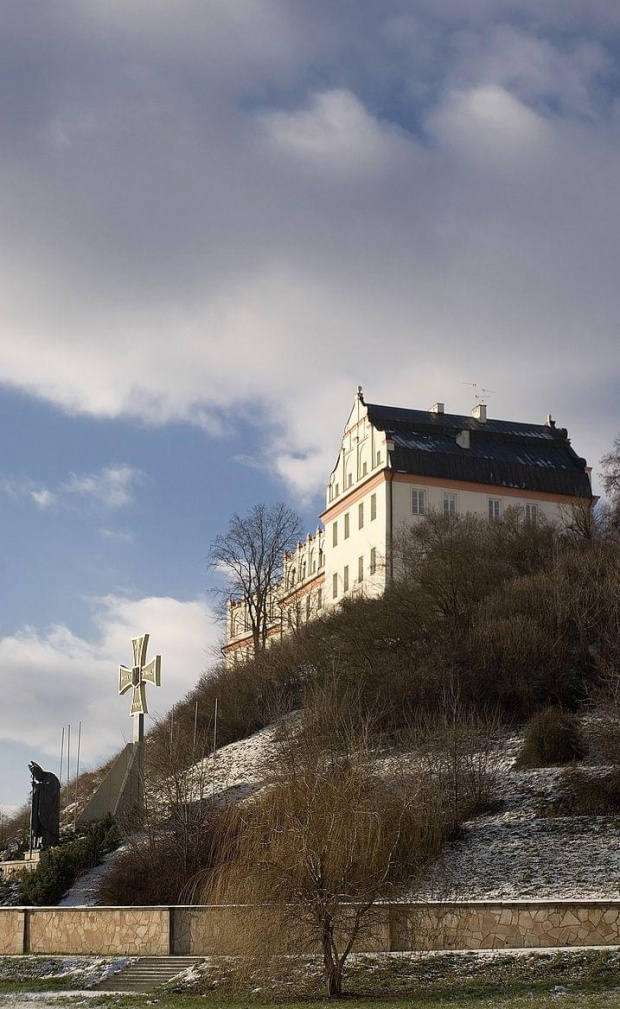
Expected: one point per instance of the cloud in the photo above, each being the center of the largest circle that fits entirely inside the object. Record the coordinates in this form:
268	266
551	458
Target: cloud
117	534
55	676
241	211
16	488
113	487
42	498
334	132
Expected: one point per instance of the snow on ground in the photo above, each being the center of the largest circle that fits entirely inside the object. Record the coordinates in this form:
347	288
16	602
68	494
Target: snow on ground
519	854
510	855
516	853
238	770
83	893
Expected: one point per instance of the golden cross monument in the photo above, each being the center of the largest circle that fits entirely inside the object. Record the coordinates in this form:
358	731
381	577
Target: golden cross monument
137	677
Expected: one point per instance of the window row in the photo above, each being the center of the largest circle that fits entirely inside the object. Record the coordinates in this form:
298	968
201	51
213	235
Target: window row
346	520
361	573
419	506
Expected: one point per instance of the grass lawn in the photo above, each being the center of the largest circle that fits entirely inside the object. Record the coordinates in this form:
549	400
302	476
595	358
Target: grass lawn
601	998
536	979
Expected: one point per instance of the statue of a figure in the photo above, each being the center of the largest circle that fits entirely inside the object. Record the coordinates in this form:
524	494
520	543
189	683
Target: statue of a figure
45	822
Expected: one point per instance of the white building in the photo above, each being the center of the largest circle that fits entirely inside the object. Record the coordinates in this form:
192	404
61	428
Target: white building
396	465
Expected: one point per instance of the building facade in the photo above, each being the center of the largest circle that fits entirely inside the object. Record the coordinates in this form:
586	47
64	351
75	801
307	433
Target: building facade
395	466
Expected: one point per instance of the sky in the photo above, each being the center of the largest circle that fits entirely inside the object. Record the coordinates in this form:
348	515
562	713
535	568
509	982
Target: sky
221	216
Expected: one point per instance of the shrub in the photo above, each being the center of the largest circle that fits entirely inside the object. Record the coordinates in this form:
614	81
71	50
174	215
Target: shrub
586	794
552	737
59	867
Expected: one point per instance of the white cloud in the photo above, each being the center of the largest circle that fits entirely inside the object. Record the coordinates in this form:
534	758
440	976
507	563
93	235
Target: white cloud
112	487
271	203
54	677
42	498
16	488
334	132
117	534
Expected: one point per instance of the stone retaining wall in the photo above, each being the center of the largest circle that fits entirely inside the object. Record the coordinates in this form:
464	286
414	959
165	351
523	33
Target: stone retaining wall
204	930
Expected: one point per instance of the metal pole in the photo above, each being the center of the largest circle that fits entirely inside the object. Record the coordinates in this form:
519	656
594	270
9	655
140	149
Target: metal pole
214	747
77	773
62	753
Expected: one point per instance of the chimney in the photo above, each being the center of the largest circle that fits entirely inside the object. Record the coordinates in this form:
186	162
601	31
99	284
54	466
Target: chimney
480	412
462	439
550	421
437	408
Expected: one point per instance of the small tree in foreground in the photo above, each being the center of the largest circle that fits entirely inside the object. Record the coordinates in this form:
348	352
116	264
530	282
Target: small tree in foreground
251	555
315	852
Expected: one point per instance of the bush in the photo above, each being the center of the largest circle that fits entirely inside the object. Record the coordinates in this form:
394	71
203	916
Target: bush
552	737
588	794
59	867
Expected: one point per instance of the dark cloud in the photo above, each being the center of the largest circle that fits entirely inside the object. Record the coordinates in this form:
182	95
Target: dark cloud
209	205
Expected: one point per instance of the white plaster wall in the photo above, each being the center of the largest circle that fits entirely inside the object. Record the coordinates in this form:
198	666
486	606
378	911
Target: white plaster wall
476	502
359	543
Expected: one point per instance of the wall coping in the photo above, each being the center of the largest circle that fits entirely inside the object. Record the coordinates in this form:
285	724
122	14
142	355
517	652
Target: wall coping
525	902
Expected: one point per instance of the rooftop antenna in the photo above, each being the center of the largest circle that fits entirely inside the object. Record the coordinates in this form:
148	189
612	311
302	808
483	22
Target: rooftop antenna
480	394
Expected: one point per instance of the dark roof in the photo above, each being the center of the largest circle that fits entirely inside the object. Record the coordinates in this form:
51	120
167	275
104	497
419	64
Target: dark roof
502	453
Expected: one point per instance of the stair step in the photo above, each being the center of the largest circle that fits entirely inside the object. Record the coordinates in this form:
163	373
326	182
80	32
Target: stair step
146	973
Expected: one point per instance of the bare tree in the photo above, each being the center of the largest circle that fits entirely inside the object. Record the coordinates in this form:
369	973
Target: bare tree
316	851
610	478
251	554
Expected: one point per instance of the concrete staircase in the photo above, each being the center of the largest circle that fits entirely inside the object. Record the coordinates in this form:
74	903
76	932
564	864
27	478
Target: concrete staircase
147	973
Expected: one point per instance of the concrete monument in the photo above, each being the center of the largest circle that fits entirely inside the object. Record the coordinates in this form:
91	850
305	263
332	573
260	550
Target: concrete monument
121	793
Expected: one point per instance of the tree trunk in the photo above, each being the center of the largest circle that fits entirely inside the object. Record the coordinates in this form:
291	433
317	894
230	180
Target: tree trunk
333	967
334	980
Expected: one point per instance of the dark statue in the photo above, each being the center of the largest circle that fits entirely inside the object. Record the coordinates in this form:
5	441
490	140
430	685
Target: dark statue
45	821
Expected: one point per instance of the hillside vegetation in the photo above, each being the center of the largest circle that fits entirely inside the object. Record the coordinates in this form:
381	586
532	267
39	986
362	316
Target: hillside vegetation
484	626
512	617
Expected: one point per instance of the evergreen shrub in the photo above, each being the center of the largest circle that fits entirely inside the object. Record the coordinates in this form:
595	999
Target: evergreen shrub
60	866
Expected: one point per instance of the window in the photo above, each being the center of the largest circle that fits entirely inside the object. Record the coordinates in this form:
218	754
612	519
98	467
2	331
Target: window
335	534
349	479
449	504
495	509
418	502
319	599
364	468
531	514
302	573
320	558
312	563
345	578
378	458
308	605
360	515
337	491
335	587
346	526
360	569
373	507
373	560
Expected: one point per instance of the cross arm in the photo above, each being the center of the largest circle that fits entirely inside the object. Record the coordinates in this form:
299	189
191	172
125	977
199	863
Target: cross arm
151	673
125	676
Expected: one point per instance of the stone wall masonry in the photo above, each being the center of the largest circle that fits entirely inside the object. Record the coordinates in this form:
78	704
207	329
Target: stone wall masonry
12	930
495	925
204	930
